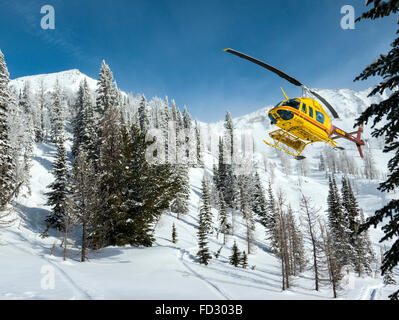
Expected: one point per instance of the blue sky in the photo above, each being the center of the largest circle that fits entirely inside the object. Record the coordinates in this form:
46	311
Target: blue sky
175	47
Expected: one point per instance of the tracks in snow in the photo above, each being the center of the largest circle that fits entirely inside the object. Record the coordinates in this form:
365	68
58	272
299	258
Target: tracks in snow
76	289
210	284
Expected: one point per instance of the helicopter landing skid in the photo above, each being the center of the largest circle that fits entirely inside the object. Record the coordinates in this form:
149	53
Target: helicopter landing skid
285	138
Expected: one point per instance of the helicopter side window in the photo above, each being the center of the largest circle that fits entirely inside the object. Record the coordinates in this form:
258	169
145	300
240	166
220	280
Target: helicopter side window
293	103
320	117
304	108
311	112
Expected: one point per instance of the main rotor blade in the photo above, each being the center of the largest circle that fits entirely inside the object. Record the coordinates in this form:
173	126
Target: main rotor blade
267	66
332	110
284	76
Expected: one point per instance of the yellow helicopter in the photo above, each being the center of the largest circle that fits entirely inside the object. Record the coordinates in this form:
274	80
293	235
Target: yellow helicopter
302	121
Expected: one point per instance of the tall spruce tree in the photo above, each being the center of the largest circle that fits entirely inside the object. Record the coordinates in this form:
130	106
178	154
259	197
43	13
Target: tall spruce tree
57	114
259	203
84	123
224	225
60	188
235	257
145	191
387	67
7	166
86	198
339	225
106	93
181	201
206	209
205	224
143	116
363	252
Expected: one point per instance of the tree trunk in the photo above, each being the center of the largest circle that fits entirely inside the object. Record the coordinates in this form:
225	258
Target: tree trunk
84	242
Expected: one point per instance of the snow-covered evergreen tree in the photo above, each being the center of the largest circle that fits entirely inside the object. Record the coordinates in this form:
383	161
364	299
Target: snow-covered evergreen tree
84	124
60	188
7	166
106	93
86	197
235	255
143	116
206	209
205	224
297	254
57	112
339	225
387	67
259	203
181	202
224	225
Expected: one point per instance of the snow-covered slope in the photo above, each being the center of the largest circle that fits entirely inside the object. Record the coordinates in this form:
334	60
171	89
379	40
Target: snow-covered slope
167	270
68	80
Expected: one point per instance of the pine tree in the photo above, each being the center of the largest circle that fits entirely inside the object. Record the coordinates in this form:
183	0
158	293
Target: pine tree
28	139
224	225
84	123
200	160
57	121
86	198
244	260
359	242
339	225
389	278
227	182
386	66
235	256
41	134
7	165
259	203
270	218
134	192
229	126
206	209
106	93
205	224
174	234
143	117
107	166
60	189
181	202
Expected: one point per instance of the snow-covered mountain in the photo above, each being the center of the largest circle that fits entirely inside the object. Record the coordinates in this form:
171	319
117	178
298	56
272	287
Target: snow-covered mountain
68	80
170	271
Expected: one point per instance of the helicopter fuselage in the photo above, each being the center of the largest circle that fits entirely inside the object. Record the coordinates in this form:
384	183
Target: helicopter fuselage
303	118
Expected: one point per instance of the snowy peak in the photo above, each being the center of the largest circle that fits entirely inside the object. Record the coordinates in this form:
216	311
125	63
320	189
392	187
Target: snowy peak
69	80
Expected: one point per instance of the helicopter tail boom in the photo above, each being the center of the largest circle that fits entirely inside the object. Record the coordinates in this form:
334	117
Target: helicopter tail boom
351	136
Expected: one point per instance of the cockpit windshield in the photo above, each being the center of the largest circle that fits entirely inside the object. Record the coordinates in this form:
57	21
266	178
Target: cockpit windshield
293	103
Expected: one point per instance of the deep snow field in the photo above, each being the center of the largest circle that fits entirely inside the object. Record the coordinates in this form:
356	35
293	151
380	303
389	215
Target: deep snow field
167	270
